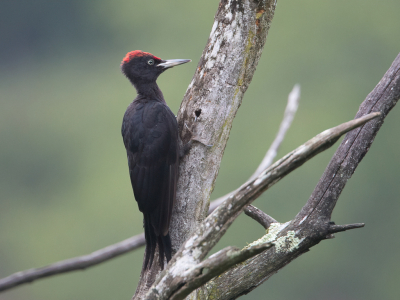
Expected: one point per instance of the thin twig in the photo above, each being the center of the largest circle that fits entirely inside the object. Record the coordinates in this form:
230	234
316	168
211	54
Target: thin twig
340	228
259	216
288	116
73	264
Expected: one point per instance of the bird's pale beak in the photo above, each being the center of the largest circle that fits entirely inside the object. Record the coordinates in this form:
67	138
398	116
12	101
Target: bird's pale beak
166	64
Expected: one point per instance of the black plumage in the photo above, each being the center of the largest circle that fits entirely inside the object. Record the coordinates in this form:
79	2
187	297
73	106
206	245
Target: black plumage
150	135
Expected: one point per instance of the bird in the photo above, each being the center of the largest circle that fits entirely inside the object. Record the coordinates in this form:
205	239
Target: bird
150	135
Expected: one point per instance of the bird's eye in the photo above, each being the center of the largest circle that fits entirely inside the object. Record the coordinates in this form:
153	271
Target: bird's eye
151	62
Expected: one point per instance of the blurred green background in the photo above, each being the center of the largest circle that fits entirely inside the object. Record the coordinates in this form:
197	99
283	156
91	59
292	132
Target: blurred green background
64	184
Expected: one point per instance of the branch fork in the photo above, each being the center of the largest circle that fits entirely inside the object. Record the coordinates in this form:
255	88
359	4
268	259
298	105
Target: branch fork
185	265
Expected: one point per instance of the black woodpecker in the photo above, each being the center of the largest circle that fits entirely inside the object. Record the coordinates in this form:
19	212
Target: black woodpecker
150	134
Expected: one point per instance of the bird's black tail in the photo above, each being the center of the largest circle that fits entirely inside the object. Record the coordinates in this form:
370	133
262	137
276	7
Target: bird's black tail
152	240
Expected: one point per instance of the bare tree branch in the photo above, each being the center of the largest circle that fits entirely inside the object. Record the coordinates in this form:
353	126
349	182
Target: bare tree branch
288	116
312	224
182	267
339	228
217	264
259	216
72	264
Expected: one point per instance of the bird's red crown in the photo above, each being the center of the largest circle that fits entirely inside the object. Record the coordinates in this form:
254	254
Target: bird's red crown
137	53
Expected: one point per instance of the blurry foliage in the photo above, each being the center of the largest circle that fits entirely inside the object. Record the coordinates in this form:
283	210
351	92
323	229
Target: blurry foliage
64	185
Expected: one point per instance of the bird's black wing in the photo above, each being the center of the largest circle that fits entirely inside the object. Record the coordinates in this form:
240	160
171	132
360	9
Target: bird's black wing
150	134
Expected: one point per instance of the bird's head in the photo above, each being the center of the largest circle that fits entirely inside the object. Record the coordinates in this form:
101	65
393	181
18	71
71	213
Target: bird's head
144	67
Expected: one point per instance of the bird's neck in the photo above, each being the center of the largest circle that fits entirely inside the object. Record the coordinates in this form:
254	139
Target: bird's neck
150	91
